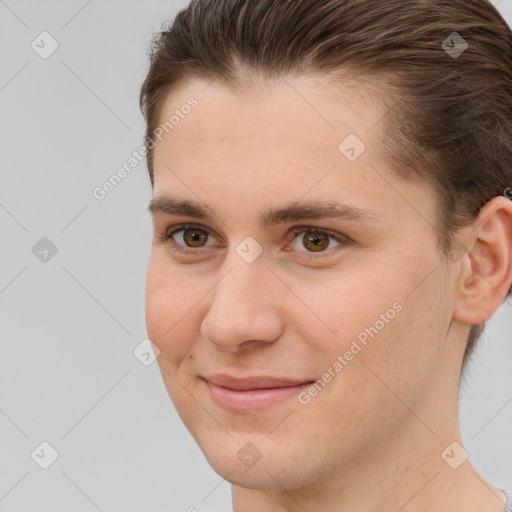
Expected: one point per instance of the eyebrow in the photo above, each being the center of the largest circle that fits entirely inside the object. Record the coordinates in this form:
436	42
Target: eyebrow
269	217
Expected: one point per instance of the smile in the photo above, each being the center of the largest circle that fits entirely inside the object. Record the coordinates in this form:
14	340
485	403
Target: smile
252	400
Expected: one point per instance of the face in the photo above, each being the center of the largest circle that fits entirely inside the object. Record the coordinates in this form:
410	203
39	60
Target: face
264	283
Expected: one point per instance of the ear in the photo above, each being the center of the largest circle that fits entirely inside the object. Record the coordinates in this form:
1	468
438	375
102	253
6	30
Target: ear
486	270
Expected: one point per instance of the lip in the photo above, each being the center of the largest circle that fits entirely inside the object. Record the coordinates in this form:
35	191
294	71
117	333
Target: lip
252	394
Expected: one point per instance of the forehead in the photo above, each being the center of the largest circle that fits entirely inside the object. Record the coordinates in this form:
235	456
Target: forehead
287	137
306	109
281	127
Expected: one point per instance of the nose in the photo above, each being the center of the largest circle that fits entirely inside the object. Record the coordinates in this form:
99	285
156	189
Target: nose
245	307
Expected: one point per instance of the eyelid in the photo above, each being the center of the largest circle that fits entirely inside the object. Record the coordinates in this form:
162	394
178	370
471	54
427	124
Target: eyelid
342	239
184	226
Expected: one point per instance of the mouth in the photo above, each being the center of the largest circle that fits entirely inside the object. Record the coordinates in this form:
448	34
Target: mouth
248	398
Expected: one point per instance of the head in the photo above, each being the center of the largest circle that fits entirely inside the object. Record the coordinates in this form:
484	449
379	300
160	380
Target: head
281	107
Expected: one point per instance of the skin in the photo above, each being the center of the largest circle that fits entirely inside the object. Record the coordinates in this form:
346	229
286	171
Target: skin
372	439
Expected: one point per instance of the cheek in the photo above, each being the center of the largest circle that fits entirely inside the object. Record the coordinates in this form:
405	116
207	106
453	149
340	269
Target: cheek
403	347
366	317
336	307
170	313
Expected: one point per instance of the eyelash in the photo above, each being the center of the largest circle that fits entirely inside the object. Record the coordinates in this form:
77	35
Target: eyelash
177	248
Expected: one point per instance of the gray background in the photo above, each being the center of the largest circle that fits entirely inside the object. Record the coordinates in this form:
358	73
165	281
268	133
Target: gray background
69	325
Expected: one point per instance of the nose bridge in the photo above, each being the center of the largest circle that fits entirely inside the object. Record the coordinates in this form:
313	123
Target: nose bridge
244	304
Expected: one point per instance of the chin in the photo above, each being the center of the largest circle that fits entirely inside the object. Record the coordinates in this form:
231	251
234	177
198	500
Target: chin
237	462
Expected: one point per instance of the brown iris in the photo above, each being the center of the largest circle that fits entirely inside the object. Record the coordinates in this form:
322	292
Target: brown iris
316	241
193	236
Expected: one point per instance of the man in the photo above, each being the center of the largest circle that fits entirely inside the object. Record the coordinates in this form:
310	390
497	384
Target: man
332	229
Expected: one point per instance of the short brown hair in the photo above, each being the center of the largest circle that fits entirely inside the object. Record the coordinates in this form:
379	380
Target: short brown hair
450	116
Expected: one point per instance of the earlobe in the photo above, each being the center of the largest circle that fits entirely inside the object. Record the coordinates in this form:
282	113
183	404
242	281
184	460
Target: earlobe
486	270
